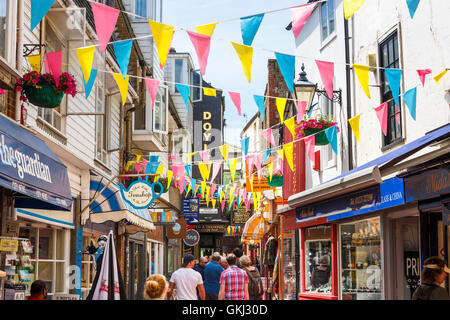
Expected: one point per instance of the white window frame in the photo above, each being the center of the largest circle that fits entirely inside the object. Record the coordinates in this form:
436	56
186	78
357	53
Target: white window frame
106	131
330	36
201	85
133	10
165	88
10	37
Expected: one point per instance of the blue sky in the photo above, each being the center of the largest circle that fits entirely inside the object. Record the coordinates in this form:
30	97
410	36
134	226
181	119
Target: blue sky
224	70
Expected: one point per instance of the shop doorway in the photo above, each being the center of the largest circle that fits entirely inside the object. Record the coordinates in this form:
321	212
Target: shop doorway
136	271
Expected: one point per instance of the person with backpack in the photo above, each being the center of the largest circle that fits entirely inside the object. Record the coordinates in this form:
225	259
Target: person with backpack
255	285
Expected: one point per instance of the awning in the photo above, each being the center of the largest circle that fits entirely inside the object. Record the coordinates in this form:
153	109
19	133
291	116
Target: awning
254	228
369	174
29	167
109	206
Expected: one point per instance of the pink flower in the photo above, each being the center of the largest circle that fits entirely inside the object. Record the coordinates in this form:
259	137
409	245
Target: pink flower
34	81
19	82
19	88
320	127
26	77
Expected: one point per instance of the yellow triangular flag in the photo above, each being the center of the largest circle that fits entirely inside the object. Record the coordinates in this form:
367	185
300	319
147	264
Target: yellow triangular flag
138	158
123	85
281	153
354	124
289	151
255	201
169	178
129	163
281	104
290	124
196	189
224	150
162	34
270	166
159	171
189	156
214	203
233	164
245	54
35	62
351	6
209	92
206	29
188	189
221	196
204	170
86	58
203	183
207	195
439	76
251	183
362	72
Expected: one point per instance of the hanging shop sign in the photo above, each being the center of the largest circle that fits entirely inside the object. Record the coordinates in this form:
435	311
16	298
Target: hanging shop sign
10	229
140	194
210	228
388	194
178	230
205	210
191	210
163	218
192	238
9	245
428	184
241	216
294	180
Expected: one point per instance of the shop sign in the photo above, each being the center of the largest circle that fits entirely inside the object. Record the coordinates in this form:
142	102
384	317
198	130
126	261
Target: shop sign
412	270
294	181
163	218
241	216
191	210
178	230
140	194
210	228
192	238
9	245
428	184
10	229
388	194
61	296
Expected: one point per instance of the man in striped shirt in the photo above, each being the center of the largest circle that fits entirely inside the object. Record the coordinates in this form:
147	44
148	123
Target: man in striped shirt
233	282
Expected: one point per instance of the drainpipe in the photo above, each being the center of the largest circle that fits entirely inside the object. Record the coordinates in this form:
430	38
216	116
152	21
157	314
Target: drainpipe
19	53
349	105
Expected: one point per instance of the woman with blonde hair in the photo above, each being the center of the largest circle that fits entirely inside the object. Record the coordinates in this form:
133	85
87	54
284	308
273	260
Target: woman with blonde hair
156	287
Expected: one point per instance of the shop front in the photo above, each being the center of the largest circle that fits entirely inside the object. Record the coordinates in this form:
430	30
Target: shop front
36	211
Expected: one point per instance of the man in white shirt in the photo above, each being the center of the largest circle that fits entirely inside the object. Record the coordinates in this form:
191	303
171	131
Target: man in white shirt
186	280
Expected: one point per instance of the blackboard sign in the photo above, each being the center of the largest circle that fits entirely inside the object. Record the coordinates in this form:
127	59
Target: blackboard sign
192	238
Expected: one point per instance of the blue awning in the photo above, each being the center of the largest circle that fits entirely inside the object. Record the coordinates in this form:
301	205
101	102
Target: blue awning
109	206
29	167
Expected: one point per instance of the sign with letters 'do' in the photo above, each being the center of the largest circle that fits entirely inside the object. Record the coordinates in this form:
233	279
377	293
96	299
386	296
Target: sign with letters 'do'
140	194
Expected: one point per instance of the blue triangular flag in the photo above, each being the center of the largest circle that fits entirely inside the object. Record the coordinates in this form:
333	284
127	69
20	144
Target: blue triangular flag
394	77
122	50
184	91
410	100
412	6
193	184
260	103
39	9
311	109
90	84
249	27
287	67
331	133
266	156
244	145
188	168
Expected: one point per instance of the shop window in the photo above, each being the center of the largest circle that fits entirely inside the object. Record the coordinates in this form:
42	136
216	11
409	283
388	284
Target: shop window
361	260
318	260
289	276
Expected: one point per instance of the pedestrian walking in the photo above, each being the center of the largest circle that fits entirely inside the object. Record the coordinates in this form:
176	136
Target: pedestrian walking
233	282
223	262
156	287
38	291
213	270
186	280
200	266
433	275
255	285
238	253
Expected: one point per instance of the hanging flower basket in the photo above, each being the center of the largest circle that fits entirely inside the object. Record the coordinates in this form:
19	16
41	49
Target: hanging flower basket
320	138
316	127
42	91
277	181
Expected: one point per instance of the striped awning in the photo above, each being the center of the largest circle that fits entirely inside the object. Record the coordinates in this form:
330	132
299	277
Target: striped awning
254	228
109	206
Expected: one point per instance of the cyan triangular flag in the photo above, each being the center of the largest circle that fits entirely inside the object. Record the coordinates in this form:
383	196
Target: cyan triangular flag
287	67
412	6
39	9
249	27
410	100
188	168
244	145
311	109
394	77
193	183
122	50
184	91
266	156
90	84
260	103
331	133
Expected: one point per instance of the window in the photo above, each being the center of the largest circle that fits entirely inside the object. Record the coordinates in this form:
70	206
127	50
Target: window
160	111
87	268
102	123
318	259
7	30
361	260
3	27
389	58
140	8
197	90
327	18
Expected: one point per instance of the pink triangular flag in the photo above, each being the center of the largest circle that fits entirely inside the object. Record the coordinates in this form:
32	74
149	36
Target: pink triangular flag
173	157
250	163
268	135
54	64
212	189
138	167
310	143
205	155
300	16
105	18
145	165
422	74
301	108
258	163
382	116
236	98
326	70
216	169
201	44
152	87
280	165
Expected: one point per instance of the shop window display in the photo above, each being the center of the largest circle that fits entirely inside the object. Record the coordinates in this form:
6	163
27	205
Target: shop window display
289	268
318	259
361	260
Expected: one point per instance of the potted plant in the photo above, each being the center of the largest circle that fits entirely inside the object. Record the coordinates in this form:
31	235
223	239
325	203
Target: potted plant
277	180
317	127
42	90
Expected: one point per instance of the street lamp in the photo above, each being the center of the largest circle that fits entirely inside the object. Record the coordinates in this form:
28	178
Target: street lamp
305	90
